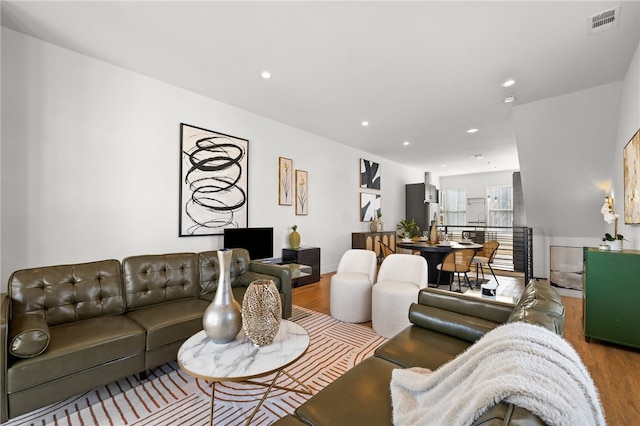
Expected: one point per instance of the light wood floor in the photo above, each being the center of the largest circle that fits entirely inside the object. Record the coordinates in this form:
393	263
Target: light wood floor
615	369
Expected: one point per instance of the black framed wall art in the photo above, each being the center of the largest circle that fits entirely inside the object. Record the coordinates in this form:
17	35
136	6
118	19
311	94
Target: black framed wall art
213	181
369	174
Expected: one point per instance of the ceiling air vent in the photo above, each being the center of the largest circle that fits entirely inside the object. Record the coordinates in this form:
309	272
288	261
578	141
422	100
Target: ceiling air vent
603	21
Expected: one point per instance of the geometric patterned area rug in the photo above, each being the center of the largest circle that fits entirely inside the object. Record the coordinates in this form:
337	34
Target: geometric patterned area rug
171	397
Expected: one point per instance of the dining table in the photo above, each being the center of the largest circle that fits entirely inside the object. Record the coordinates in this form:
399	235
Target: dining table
434	254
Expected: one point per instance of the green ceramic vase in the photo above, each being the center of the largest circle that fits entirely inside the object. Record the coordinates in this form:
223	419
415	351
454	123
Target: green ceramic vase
294	240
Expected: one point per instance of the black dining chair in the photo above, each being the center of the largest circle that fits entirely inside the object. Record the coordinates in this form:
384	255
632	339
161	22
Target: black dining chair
457	262
386	250
486	257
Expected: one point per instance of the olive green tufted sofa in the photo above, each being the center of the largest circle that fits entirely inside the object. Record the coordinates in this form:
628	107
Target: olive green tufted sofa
66	329
443	325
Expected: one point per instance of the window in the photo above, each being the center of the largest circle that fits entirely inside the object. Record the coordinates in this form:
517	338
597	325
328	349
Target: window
500	205
454	206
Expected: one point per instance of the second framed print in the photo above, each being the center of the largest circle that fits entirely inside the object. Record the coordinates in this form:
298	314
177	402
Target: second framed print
302	192
369	206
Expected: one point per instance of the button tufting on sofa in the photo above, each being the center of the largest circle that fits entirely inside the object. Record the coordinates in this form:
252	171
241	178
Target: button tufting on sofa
110	319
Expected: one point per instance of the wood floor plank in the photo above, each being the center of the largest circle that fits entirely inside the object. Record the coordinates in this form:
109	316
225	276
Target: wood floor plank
615	369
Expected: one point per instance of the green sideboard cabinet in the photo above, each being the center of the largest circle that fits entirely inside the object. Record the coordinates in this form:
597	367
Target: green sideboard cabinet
611	296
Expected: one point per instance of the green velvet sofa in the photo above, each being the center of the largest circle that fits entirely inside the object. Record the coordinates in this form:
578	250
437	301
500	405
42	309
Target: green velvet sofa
67	329
444	324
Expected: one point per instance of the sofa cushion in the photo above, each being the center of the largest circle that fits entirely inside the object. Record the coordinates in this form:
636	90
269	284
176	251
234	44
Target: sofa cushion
238	295
160	278
361	396
503	414
170	322
29	335
67	293
248	277
420	347
210	269
75	347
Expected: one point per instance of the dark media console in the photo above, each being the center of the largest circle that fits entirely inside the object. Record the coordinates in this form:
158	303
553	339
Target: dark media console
305	256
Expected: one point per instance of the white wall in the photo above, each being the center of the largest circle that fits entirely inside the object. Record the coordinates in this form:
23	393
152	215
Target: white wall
570	150
628	125
90	165
566	148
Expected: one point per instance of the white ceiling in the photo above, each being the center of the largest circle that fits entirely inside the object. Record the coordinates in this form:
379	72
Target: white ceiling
422	72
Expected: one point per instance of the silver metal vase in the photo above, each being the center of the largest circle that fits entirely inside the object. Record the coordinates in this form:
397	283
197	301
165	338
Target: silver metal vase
222	320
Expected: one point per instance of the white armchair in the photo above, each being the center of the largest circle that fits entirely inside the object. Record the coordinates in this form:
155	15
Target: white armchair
350	289
400	279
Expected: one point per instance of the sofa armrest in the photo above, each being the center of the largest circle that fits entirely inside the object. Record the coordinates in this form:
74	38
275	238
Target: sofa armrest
466	327
283	272
464	317
488	309
5	312
541	304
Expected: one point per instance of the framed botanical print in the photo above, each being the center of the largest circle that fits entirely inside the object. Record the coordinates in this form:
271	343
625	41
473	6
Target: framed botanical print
302	192
214	182
285	181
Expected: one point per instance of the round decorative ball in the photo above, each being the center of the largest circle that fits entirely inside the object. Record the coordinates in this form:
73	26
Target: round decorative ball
261	312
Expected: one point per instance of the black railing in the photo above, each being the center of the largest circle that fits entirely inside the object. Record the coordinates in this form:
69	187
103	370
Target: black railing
515	251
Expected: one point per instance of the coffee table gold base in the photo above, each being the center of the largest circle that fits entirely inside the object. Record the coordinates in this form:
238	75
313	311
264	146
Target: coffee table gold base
306	390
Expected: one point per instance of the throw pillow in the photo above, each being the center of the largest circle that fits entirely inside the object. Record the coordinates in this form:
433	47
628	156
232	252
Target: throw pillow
29	335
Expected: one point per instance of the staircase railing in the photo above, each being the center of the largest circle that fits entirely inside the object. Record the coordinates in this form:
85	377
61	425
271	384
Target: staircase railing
516	244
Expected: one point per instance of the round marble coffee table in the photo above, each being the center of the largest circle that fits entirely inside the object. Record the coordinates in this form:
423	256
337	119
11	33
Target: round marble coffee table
240	360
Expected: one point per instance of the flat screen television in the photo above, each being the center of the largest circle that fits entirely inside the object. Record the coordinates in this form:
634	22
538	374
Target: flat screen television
258	241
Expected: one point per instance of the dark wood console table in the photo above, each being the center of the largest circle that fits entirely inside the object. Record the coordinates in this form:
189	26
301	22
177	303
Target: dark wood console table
372	240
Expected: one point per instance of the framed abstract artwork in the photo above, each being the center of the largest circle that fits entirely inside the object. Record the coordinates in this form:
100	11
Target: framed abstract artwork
285	180
369	206
631	170
302	193
369	174
213	182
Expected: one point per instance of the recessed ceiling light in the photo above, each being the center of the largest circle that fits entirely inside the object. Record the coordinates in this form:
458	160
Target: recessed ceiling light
509	83
509	99
265	74
405	143
443	165
365	123
472	130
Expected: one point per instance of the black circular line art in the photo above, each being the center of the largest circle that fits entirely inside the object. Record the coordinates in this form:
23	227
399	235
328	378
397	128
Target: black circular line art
213	176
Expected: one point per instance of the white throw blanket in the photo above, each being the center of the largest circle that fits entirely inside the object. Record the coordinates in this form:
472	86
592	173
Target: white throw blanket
519	363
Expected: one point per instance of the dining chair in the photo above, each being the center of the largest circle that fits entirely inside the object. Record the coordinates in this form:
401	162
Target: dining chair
486	257
457	262
351	286
386	250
